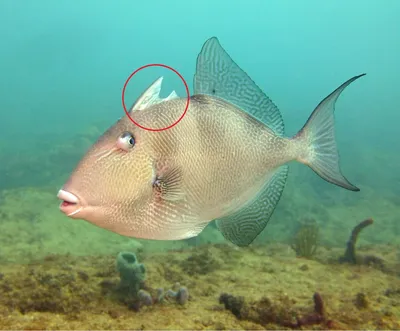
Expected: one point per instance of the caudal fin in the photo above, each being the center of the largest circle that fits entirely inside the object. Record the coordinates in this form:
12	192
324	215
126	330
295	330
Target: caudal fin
316	141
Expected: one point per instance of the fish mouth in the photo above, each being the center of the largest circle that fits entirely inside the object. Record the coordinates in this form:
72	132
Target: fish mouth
70	204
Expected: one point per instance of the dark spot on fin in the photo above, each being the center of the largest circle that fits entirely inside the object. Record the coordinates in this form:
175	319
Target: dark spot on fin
168	184
201	98
218	75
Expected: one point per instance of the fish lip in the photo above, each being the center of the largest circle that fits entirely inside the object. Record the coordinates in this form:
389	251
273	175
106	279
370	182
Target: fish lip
67	196
71	204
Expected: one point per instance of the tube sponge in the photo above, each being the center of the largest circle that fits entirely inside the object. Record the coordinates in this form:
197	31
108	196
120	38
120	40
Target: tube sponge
132	273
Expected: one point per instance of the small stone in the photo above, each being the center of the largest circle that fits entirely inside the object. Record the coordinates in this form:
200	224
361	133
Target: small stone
83	275
219	326
361	301
113	314
304	267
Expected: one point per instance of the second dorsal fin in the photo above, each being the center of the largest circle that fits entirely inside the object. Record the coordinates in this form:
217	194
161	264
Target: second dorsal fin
218	75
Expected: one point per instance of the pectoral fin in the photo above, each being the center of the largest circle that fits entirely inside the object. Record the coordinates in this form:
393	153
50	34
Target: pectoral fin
167	184
174	217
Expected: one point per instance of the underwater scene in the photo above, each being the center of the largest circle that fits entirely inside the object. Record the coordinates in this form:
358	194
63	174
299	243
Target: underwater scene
216	165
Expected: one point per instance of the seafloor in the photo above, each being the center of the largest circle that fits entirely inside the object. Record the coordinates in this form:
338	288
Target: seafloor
277	290
58	273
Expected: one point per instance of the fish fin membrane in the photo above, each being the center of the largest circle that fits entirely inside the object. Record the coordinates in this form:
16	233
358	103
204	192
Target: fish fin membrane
173	95
242	227
218	75
151	96
318	138
169	184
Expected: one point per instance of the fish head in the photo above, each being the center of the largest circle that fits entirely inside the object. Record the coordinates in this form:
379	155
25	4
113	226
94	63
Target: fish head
112	181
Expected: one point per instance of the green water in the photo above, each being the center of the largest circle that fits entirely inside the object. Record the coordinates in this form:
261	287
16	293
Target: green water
63	65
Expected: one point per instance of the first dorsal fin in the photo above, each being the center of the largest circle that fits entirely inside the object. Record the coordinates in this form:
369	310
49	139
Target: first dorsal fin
173	95
218	75
151	96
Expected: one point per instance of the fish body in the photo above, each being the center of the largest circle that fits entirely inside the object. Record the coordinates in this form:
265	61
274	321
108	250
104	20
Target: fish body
226	160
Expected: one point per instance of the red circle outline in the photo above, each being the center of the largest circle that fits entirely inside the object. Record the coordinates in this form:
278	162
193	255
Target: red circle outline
156	65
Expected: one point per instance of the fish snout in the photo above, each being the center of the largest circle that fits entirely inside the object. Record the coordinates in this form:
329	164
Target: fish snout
70	204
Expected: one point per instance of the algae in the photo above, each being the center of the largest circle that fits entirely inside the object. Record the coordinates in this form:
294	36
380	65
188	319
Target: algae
72	292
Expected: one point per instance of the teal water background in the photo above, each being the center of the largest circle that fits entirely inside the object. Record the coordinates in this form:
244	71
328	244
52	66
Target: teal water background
63	65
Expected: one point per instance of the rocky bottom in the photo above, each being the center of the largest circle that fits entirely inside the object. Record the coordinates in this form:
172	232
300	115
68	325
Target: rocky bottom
263	287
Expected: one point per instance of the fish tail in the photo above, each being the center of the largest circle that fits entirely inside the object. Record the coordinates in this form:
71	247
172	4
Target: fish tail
315	143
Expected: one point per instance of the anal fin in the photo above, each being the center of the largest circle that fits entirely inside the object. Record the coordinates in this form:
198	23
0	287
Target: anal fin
243	226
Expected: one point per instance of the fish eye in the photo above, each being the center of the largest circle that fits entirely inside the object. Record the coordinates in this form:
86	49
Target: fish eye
126	141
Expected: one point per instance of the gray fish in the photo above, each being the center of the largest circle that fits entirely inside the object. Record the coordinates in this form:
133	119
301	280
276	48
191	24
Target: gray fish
225	161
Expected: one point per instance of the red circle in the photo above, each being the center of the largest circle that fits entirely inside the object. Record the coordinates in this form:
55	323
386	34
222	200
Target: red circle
156	65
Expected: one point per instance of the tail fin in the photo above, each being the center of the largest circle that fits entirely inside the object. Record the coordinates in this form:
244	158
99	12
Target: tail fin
317	138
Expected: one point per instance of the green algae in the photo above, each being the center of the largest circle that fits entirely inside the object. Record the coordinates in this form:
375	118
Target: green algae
306	240
71	292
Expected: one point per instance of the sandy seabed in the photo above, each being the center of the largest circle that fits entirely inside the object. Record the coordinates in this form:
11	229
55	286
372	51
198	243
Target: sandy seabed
268	286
